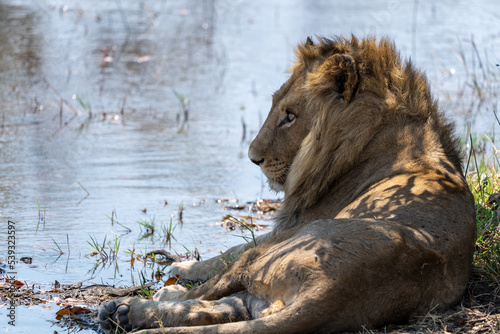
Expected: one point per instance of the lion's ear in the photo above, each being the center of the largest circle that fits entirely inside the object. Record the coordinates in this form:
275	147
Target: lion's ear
337	75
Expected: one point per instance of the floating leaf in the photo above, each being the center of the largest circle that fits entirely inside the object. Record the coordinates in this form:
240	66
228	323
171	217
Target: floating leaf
171	280
69	310
15	283
79	310
18	283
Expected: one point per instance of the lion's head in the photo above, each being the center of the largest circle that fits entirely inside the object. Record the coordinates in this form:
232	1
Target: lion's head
341	95
288	123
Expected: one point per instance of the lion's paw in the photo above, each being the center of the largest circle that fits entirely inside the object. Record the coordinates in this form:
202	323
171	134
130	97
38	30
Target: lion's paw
125	314
190	270
170	293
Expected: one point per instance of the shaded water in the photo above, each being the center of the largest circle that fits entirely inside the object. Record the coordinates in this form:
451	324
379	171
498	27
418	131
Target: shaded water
90	123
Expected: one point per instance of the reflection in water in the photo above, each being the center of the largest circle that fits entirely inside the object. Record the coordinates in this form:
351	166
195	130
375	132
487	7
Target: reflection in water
20	63
20	45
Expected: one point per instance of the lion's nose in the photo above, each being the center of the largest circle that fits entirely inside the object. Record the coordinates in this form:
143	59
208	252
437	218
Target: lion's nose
254	156
257	162
255	153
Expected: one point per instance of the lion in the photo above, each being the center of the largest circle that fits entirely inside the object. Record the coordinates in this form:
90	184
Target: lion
377	223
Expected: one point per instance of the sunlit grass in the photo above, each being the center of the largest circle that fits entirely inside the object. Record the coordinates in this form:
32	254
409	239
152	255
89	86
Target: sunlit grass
484	183
477	95
168	234
149	226
483	177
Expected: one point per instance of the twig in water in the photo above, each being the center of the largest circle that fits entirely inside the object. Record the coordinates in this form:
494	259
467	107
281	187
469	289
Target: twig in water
67	241
474	47
244	126
122	110
181	210
73	109
60	114
495	113
63	100
88	194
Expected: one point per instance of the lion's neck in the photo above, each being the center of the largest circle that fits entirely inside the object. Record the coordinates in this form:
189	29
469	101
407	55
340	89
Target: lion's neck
393	151
340	194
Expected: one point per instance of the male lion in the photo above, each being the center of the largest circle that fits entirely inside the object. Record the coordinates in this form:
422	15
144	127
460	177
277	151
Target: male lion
377	223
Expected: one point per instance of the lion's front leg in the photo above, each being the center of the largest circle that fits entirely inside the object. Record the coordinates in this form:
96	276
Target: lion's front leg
203	270
132	313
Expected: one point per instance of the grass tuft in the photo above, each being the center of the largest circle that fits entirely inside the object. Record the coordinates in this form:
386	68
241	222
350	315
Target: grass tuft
168	234
149	226
484	184
41	216
58	248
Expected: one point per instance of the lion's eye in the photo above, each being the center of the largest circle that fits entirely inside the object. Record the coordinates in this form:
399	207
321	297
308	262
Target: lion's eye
290	117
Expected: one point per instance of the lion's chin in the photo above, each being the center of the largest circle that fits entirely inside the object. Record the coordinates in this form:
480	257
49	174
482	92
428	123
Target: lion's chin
275	186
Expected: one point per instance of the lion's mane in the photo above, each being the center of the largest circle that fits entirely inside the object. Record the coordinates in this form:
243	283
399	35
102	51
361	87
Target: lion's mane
381	90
